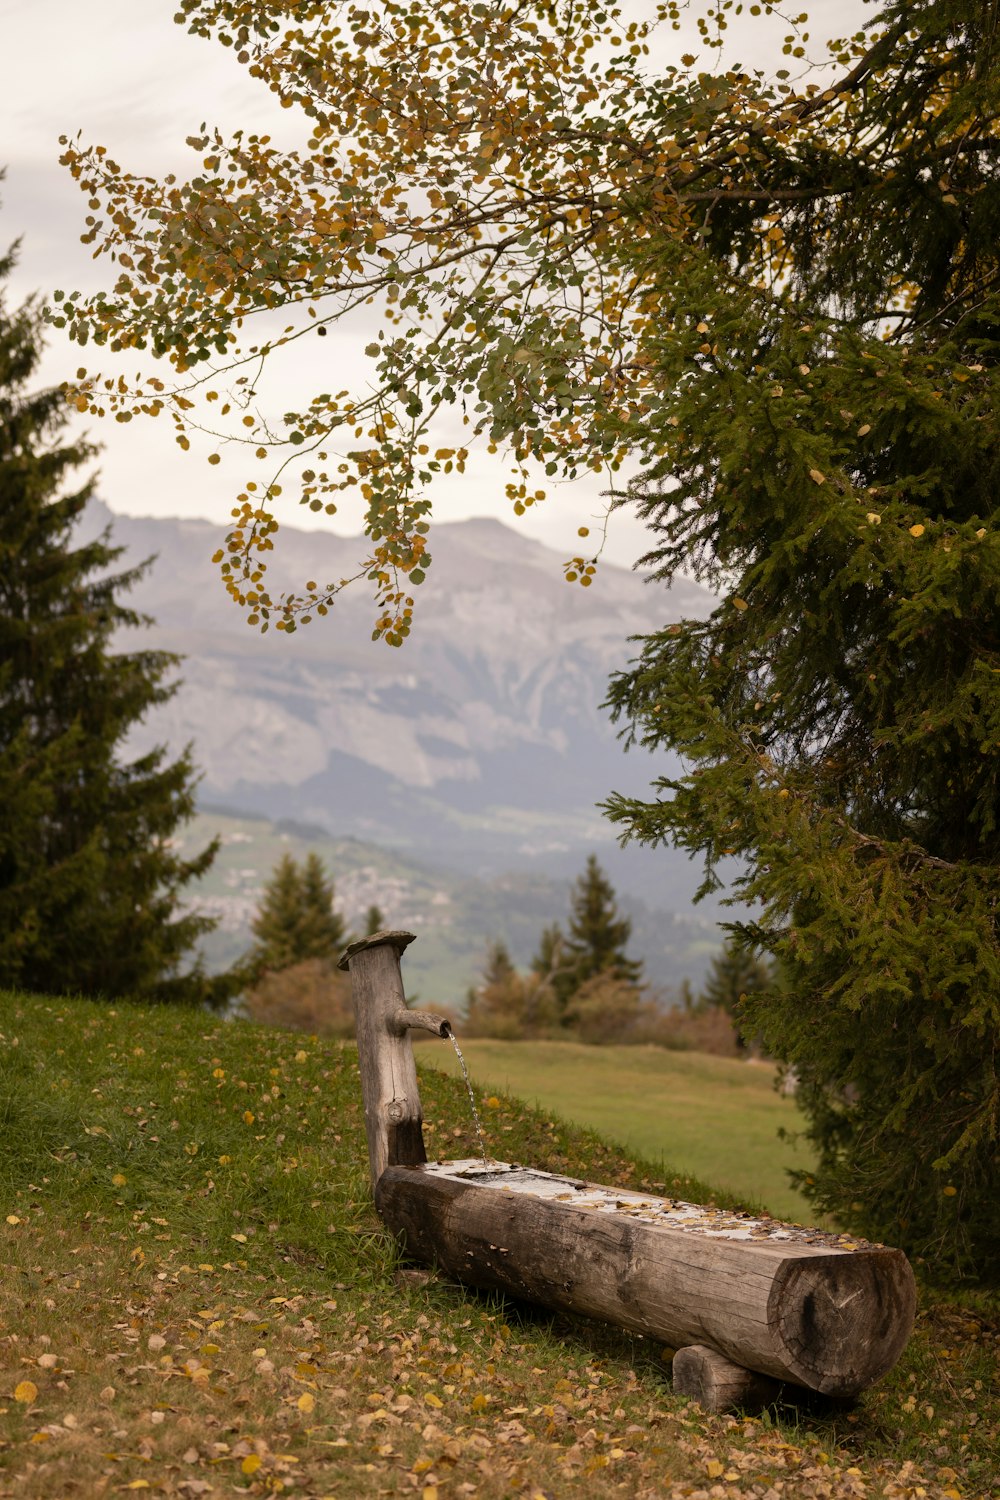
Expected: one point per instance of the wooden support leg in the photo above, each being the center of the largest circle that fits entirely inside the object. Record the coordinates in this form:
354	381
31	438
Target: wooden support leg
719	1385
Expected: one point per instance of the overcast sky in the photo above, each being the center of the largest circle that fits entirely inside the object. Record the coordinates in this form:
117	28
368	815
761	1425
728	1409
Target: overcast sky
123	73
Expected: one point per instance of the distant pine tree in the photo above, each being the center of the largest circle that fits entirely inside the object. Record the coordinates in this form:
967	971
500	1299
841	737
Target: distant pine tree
499	965
596	940
374	921
296	920
275	925
90	876
550	951
733	974
322	930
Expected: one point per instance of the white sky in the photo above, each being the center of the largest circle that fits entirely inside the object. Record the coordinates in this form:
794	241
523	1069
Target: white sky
128	77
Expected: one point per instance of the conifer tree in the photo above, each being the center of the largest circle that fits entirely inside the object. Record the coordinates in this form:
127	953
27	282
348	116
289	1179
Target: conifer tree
296	920
90	881
733	974
596	940
549	957
322	931
276	923
499	965
831	464
374	920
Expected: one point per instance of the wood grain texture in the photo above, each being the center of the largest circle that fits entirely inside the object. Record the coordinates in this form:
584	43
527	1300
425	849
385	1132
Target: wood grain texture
393	1120
719	1385
797	1308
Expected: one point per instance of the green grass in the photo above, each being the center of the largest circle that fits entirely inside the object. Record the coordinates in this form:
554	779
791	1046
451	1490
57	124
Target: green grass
199	1300
709	1117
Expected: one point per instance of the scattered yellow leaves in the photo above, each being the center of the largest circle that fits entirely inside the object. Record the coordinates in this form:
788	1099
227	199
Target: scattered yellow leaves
25	1392
119	1179
817	477
250	1464
917	530
740	604
433	1400
306	1402
714	1469
949	1191
248	1117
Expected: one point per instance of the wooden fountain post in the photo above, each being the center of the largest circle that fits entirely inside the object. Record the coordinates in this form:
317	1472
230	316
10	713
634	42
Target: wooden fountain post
393	1119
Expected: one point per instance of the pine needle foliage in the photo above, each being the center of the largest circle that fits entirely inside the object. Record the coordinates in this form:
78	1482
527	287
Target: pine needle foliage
91	885
596	939
832	464
322	930
296	920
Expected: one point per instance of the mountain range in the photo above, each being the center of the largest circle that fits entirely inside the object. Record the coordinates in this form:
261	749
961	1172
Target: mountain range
478	748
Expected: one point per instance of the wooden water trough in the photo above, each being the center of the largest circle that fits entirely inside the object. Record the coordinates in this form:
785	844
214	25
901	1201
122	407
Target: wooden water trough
749	1304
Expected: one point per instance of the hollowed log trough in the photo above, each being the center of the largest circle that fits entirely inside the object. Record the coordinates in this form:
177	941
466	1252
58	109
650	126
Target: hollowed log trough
749	1304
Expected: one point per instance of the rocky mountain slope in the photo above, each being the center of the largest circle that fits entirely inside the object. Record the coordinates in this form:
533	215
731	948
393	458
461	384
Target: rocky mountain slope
479	746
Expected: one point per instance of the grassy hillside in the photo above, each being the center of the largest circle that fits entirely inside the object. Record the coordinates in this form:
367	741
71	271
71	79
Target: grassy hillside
714	1117
198	1300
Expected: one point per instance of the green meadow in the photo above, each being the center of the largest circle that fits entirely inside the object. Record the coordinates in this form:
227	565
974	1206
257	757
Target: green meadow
198	1300
710	1117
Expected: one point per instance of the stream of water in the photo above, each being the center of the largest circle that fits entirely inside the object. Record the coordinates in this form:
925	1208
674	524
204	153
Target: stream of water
472	1099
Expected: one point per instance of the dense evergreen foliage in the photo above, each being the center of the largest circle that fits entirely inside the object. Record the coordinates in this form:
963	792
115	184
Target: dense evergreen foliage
831	460
91	882
296	920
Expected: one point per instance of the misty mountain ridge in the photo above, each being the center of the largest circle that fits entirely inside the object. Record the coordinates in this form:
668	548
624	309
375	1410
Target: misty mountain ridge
480	745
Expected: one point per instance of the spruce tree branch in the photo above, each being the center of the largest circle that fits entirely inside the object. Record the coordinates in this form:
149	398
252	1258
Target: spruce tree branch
876	56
